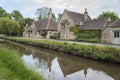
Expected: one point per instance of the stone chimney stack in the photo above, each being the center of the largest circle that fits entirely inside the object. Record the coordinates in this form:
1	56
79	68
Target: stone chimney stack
86	15
50	14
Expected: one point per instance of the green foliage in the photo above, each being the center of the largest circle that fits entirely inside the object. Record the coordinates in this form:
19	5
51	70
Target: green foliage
28	21
59	16
107	14
44	33
9	27
13	68
109	54
42	13
89	36
2	12
17	16
55	36
75	29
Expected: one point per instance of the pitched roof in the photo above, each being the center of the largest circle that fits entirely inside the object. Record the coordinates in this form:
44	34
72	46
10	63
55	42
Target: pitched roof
96	24
115	23
76	17
46	24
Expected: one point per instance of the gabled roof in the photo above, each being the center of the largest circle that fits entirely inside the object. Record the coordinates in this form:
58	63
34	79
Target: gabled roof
76	17
96	24
115	23
46	24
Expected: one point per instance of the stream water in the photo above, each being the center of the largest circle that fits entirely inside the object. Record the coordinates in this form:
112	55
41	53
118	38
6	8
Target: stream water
61	66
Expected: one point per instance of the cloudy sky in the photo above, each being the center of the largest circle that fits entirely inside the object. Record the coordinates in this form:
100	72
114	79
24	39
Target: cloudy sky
95	7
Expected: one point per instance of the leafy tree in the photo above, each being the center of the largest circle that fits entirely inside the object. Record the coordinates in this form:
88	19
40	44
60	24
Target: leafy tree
2	12
28	21
59	16
42	13
17	16
8	15
106	14
9	27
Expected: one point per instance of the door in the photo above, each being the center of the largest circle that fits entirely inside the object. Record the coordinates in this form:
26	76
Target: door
116	37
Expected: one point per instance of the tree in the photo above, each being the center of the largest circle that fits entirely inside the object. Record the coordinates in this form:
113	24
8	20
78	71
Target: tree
2	12
106	14
8	15
9	27
17	16
42	13
28	21
59	16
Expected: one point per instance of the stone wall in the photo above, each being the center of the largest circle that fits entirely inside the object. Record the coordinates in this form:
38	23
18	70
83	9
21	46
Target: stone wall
63	32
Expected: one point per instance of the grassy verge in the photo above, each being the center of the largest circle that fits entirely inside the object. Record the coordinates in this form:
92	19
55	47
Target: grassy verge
13	68
108	54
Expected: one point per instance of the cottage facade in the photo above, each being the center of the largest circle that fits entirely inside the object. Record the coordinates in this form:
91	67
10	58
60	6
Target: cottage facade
110	30
42	28
112	33
68	20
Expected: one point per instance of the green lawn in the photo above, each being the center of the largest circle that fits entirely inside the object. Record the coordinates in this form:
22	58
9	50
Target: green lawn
13	68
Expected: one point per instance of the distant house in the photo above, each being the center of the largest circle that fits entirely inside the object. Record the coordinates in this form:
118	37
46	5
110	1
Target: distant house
70	19
42	28
109	30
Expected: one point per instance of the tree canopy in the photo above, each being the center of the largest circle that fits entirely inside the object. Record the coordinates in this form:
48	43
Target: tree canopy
2	12
42	13
28	21
106	14
9	27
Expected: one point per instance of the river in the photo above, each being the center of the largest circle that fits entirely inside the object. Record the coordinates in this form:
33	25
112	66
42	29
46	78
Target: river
61	66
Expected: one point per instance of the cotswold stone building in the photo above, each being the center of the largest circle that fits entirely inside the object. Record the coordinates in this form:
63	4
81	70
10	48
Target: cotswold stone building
70	19
111	34
110	30
42	28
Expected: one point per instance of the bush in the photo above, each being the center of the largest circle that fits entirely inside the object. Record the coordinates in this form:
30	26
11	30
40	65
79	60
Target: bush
56	36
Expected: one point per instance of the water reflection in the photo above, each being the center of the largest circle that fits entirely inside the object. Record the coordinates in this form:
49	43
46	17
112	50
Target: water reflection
55	72
58	66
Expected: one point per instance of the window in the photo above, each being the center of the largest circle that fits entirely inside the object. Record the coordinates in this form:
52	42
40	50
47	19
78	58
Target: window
116	34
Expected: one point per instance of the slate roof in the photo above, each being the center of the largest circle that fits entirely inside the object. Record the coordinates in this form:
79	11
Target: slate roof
77	17
115	23
96	24
44	24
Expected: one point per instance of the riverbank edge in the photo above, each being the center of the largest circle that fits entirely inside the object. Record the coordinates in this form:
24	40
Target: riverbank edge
13	68
106	54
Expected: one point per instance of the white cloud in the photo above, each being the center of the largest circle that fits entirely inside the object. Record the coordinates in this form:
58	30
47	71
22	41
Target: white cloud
95	7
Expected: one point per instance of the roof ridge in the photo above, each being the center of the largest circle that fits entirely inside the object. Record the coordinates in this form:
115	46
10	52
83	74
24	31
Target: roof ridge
73	12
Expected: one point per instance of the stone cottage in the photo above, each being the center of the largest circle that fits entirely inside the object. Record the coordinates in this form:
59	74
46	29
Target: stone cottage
42	28
109	30
70	19
111	34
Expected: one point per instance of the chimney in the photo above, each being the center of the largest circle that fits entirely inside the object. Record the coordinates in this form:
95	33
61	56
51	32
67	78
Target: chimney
85	15
50	14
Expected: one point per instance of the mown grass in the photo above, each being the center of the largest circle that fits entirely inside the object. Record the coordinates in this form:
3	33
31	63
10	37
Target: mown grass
13	68
109	54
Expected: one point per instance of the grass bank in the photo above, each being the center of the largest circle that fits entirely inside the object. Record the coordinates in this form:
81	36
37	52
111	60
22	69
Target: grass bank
13	68
108	54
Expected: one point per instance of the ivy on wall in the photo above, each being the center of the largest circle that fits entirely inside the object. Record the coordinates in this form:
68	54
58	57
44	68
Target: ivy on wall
75	30
89	36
